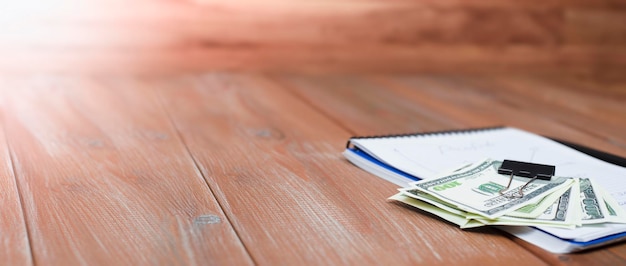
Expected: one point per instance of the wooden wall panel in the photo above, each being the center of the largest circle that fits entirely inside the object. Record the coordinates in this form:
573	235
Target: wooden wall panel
582	36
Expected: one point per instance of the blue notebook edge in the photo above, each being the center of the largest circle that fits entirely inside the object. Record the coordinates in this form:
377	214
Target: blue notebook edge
576	245
373	160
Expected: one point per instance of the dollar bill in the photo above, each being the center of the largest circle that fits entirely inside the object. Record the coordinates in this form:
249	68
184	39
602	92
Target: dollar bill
476	189
535	210
592	204
514	221
562	213
616	213
556	216
565	209
425	197
468	196
448	216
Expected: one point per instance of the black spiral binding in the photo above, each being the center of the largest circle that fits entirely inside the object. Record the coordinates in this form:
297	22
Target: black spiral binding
428	133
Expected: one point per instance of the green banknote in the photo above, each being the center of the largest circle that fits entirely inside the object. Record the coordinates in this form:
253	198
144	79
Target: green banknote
546	204
592	204
616	212
448	216
425	197
562	213
470	197
475	189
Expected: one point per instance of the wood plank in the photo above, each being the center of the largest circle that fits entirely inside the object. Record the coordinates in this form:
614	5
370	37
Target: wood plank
598	115
462	101
465	102
277	166
14	243
358	106
484	102
105	179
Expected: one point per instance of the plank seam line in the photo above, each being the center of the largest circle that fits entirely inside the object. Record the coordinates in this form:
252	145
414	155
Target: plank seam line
197	166
305	100
19	193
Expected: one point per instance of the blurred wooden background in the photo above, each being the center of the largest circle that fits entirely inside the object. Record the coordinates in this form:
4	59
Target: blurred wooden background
474	36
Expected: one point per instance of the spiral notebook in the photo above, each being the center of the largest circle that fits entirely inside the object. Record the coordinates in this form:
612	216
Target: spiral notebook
404	158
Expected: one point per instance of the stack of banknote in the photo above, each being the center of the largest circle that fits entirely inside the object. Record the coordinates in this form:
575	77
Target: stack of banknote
476	195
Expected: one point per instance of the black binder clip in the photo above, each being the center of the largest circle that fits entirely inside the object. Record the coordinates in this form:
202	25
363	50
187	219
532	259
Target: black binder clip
523	169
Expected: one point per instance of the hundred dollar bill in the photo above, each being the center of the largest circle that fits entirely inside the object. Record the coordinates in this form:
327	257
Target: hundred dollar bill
563	213
514	221
556	216
565	208
549	208
448	216
592	204
535	210
616	213
425	197
476	189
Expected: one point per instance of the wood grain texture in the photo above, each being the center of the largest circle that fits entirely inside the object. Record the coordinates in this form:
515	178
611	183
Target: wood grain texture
400	104
236	169
487	36
275	164
105	179
559	108
106	166
596	115
14	243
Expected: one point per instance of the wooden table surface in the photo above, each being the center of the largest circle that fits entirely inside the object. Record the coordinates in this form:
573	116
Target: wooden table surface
224	168
209	132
